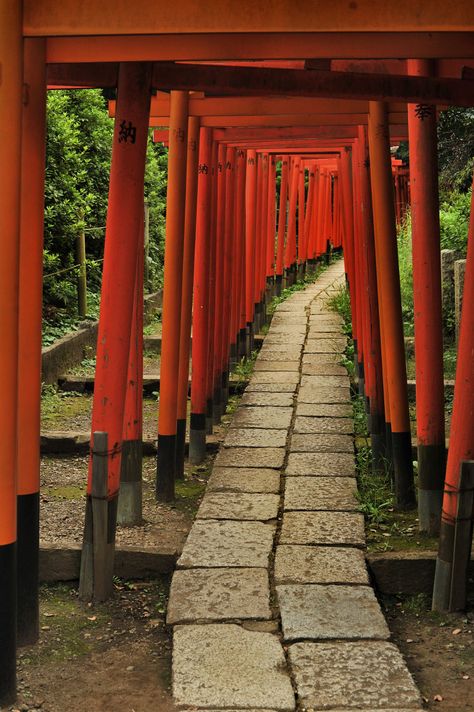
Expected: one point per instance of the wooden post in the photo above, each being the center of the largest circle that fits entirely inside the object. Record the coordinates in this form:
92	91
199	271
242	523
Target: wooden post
124	222
172	292
281	224
11	94
212	292
462	543
82	272
146	247
250	237
391	314
219	289
29	357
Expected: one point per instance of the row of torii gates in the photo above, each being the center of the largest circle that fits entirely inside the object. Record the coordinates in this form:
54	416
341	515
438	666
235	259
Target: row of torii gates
241	87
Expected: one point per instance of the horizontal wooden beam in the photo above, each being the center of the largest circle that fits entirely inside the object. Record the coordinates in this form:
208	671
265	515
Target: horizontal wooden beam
229	135
283	45
110	17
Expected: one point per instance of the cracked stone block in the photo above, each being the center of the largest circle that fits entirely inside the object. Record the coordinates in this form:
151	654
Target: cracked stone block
283	351
219	544
278	400
325	381
272	377
234	668
278	339
217	595
323	369
320	564
255	437
244	479
308	394
239	505
288	328
313	424
321	464
337	528
272	387
262	418
316	612
321	493
280	366
318	442
266	356
326	346
250	457
285	320
362	675
324	410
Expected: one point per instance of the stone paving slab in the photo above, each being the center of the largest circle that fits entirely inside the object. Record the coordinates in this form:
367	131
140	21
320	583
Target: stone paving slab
266	356
317	442
321	359
239	505
284	351
218	594
218	544
250	457
268	417
313	424
276	400
325	346
288	327
323	369
336	528
244	479
271	387
308	394
324	410
284	319
326	327
320	564
315	612
366	675
272	377
223	665
325	381
284	339
321	493
280	366
319	333
321	464
255	438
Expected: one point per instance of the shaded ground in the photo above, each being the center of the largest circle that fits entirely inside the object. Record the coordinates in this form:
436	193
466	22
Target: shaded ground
439	650
113	656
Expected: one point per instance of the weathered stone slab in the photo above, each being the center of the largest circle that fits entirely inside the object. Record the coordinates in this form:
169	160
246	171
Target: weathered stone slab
317	442
315	334
284	339
323	369
244	479
318	327
320	564
324	493
308	424
324	410
268	417
286	350
365	675
322	358
326	346
285	319
250	457
288	328
330	612
307	394
266	356
292	307
233	668
217	595
339	528
276	400
323	464
326	381
272	377
272	387
255	437
220	544
239	505
280	366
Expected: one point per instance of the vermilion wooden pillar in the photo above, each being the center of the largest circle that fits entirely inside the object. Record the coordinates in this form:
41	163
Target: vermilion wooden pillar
124	219
290	247
388	276
308	215
29	343
262	239
281	224
239	227
461	444
172	295
427	307
219	289
187	289
250	239
301	220
11	88
202	293
347	199
271	218
211	365
228	272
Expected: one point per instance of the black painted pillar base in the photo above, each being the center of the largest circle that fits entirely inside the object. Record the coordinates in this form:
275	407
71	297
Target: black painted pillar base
8	623
217	403
166	468
129	512
250	344
180	446
278	284
388	450
403	471
197	438
233	351
242	343
209	416
225	391
377	441
301	272
28	569
431	469
443	570
361	378
356	363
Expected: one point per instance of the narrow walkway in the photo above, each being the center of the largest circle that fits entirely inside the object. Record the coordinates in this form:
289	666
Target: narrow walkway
271	604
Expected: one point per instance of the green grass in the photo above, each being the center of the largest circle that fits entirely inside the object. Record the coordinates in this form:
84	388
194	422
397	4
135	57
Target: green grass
57	405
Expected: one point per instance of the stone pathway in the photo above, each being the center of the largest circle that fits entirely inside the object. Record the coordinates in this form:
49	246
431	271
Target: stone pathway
271	603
